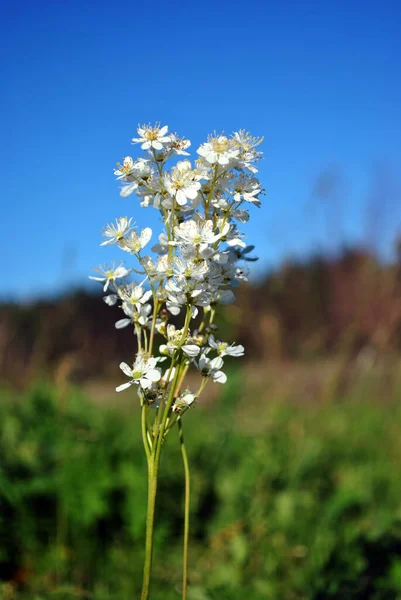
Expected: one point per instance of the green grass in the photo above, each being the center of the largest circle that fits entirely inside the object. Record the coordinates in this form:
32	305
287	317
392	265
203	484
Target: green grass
290	501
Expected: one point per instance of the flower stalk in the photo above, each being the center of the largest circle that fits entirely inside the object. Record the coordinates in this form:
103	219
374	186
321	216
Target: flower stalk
186	509
193	270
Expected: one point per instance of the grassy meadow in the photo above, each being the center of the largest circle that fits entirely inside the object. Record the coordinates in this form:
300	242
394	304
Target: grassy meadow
296	491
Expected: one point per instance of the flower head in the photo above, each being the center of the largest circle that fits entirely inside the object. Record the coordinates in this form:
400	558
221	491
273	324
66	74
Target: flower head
109	275
212	368
197	262
219	149
134	242
223	349
143	373
181	183
152	137
115	232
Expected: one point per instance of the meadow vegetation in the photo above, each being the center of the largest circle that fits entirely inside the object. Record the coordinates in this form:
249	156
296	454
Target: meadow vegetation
292	500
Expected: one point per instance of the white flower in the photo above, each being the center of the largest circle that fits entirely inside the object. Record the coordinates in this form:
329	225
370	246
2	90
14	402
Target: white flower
211	368
138	312
130	312
125	171
143	373
134	173
181	182
247	145
184	401
178	145
183	292
110	274
198	235
142	169
223	349
116	232
144	313
152	137
134	294
246	188
134	242
174	341
218	150
189	269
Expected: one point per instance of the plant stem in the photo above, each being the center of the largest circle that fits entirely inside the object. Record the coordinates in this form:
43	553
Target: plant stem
145	440
153	468
186	510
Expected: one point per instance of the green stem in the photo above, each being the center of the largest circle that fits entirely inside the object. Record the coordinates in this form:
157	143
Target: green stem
145	440
186	510
152	330
153	468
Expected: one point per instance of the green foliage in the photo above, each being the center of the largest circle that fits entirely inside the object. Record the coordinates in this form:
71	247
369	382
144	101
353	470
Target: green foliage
289	502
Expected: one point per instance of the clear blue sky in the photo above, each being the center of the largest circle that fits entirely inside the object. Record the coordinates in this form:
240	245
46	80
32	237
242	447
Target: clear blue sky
320	80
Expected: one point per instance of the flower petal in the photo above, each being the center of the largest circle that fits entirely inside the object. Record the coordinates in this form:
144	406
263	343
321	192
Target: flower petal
123	386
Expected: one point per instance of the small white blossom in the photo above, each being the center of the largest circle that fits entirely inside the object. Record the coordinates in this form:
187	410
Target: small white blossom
247	145
184	401
198	236
134	242
109	275
178	145
218	150
115	232
223	349
211	368
143	373
181	183
125	171
152	137
189	269
246	188
174	342
134	294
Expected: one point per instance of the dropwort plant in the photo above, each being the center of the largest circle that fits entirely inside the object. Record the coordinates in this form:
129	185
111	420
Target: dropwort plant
194	268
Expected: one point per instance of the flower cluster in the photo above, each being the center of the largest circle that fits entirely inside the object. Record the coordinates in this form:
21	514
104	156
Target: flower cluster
194	266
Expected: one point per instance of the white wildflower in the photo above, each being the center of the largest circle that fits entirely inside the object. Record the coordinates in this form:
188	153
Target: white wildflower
184	401
109	275
198	236
212	368
246	188
220	150
247	145
143	373
135	242
178	145
223	349
115	232
175	341
181	183
152	137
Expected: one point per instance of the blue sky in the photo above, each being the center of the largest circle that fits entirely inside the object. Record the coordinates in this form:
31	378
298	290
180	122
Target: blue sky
320	80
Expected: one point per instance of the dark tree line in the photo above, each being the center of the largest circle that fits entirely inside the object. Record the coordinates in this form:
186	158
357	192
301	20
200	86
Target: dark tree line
305	309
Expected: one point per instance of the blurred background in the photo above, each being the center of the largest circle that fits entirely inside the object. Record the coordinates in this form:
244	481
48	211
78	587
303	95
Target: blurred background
296	460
